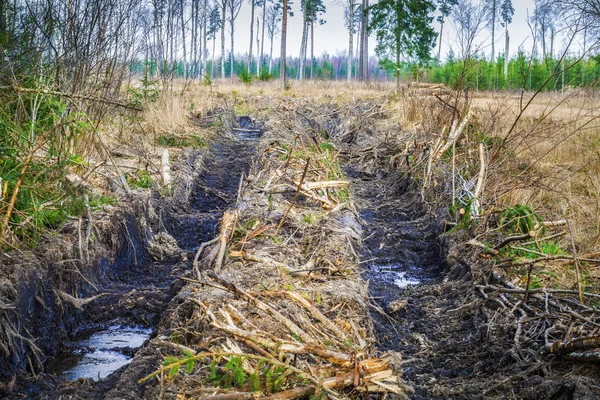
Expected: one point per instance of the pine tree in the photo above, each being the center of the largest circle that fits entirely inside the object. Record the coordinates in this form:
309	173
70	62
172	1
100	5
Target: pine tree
403	27
445	7
214	26
311	10
352	17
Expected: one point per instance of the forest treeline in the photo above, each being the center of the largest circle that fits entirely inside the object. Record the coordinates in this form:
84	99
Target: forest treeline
477	73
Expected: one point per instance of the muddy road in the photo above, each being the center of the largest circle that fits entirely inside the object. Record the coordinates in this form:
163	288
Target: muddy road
421	306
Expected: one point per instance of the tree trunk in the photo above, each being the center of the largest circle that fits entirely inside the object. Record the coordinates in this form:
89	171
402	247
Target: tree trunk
350	39
283	44
231	24
439	57
194	40
257	45
223	20
3	20
182	21
303	45
204	38
552	33
212	65
271	57
251	36
312	50
364	47
356	52
262	40
493	29
397	65
543	42
506	48
398	19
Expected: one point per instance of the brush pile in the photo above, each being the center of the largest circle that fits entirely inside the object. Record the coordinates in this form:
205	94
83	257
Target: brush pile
277	308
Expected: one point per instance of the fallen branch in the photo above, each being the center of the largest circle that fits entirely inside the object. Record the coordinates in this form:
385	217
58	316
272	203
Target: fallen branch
310	308
76	96
580	344
76	302
514	238
295	197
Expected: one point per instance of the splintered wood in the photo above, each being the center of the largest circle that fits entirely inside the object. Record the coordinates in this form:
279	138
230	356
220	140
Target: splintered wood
278	310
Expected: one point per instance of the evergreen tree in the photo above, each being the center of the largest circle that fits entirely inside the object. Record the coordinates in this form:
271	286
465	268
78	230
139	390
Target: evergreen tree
445	7
214	26
311	11
403	28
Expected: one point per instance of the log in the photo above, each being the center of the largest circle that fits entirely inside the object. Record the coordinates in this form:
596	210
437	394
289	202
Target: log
580	344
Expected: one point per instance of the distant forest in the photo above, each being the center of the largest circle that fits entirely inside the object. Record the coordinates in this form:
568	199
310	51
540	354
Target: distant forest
476	73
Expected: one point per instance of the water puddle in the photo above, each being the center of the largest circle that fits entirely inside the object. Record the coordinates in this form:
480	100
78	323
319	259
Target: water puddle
394	274
248	130
104	352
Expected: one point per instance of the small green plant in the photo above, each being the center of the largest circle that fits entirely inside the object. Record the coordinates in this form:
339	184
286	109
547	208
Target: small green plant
265	76
309	218
189	361
245	77
139	179
519	219
97	202
148	92
464	215
207	80
342	194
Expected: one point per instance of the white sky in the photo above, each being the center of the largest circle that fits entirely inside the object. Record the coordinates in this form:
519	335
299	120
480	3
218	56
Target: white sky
333	36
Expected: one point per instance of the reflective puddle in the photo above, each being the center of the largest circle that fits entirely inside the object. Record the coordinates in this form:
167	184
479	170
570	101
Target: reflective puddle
106	351
394	274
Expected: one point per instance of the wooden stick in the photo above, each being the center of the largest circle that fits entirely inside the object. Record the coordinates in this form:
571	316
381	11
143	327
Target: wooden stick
295	197
576	261
514	238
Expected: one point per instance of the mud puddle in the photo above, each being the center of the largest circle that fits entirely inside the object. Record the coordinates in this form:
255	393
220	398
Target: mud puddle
103	352
400	249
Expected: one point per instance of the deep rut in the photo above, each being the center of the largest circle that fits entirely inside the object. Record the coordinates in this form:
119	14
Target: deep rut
400	249
141	289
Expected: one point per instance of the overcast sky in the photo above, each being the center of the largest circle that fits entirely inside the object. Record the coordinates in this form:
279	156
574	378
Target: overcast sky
332	37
